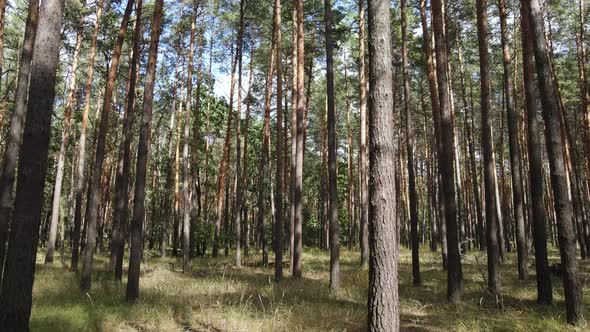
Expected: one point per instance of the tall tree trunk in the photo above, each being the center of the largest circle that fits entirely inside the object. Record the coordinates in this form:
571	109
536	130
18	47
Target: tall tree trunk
488	160
17	284
70	103
94	197
564	212
278	228
223	168
454	275
239	183
124	165
333	179
298	197
363	164
136	242
263	182
186	201
383	299
410	151
80	178
521	246
17	122
436	115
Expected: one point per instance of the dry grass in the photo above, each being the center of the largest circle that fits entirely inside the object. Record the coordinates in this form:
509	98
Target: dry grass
218	297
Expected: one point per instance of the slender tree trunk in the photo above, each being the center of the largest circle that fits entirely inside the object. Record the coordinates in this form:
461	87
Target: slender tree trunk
80	178
564	212
410	151
17	284
278	228
263	182
94	197
239	183
70	103
363	164
333	180
489	167
446	157
298	197
186	201
514	150
223	168
132	293
383	303
17	122
124	168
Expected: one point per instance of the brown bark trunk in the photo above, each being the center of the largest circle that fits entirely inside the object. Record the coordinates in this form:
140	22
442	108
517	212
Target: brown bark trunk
564	212
136	242
383	302
80	178
17	121
94	197
17	284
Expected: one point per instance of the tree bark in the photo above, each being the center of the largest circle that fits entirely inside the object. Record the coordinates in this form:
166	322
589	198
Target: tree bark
124	165
17	121
94	197
489	166
363	164
332	177
564	211
132	293
298	197
70	103
454	275
383	302
80	178
278	228
17	284
413	196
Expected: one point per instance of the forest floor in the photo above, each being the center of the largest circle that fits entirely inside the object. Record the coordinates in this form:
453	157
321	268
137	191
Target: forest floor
219	297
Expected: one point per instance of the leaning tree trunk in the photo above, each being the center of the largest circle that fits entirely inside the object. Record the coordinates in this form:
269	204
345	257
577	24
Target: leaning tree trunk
17	121
383	302
132	293
94	197
17	284
563	205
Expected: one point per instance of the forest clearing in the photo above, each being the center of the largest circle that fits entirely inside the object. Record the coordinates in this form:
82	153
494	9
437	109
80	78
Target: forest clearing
218	297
